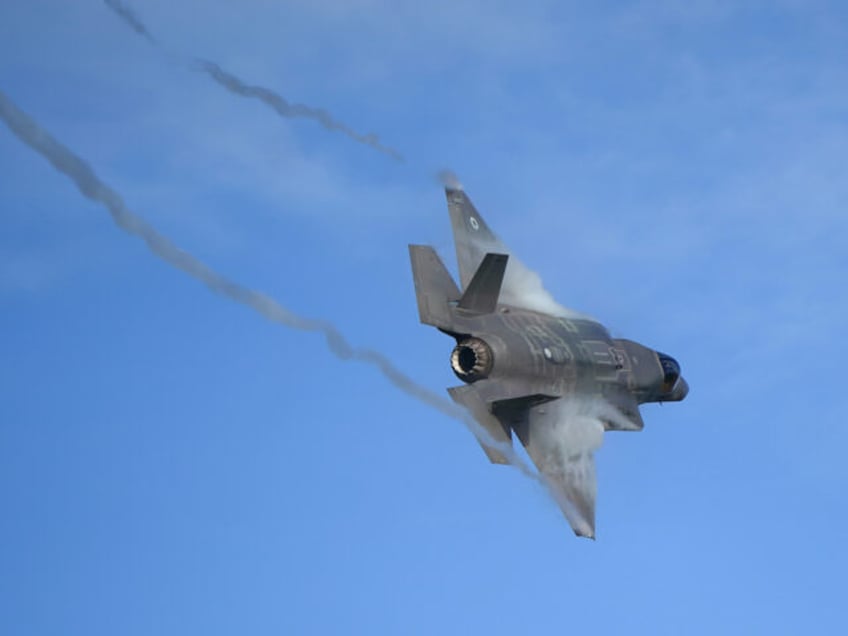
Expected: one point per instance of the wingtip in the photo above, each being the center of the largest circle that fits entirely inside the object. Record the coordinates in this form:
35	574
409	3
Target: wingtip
450	181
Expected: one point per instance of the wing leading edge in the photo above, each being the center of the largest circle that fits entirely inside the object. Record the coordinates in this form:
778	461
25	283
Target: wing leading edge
560	435
561	439
472	237
521	287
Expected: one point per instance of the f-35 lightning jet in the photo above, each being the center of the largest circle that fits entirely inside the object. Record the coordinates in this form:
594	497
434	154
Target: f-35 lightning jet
531	367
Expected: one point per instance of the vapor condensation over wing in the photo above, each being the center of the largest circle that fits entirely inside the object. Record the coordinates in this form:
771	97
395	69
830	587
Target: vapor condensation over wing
522	286
275	101
66	162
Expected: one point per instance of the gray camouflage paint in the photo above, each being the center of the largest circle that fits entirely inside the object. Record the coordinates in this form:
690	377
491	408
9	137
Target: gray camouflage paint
518	361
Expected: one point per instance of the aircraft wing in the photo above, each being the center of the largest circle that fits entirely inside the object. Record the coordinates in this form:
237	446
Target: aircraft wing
473	239
560	439
560	435
472	236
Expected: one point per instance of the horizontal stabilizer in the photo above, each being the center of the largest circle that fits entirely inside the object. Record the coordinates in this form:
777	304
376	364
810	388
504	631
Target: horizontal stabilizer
434	287
468	397
515	390
481	295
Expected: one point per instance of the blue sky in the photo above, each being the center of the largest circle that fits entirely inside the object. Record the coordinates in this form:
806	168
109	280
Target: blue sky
171	462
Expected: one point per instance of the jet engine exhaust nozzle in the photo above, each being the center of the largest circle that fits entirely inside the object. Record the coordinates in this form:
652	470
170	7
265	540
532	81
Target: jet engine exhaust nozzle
472	360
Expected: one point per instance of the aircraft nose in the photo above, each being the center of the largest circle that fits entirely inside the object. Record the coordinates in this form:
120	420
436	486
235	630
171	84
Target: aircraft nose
680	391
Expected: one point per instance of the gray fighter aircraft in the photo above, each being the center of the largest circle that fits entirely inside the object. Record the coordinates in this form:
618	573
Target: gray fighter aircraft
530	366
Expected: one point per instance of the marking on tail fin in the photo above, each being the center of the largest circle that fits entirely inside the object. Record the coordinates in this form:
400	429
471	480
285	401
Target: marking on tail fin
471	234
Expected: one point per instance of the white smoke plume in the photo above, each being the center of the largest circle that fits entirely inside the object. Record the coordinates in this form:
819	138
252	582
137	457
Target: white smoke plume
237	86
90	185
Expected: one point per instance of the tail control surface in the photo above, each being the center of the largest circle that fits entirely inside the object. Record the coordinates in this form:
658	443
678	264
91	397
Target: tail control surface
481	295
434	287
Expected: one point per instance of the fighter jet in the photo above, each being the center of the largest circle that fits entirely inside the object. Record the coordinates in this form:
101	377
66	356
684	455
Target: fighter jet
553	377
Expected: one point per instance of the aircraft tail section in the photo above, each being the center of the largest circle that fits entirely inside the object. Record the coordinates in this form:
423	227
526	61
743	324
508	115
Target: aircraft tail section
470	398
481	294
471	234
434	287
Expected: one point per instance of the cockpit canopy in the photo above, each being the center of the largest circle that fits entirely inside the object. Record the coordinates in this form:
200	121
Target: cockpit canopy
655	375
671	372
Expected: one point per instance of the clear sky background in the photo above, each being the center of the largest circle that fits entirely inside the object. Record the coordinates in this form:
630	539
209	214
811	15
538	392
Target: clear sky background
172	463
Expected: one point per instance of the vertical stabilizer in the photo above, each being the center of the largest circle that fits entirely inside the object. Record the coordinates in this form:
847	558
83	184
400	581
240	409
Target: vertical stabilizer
434	287
481	294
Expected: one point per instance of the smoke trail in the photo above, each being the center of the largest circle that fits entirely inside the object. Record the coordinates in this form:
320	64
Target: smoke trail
90	185
237	86
287	109
129	16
